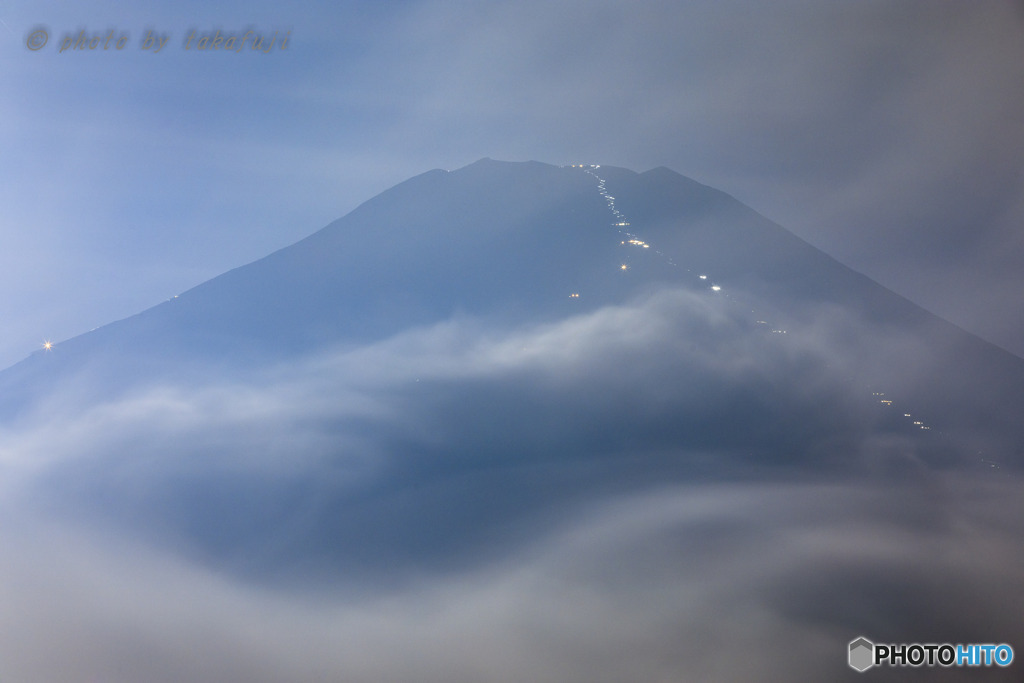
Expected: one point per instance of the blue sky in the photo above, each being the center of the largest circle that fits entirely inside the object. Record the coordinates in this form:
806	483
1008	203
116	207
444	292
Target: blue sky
888	136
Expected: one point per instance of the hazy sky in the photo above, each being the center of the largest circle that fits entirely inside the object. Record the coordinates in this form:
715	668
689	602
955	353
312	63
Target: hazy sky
888	134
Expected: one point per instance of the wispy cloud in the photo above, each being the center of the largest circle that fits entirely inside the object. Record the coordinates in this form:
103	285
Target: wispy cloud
665	584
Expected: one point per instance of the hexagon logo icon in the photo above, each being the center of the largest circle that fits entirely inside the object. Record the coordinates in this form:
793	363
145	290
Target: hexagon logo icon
862	654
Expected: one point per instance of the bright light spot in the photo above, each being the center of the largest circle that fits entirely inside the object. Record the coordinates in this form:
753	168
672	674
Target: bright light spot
715	288
623	267
574	295
47	345
703	277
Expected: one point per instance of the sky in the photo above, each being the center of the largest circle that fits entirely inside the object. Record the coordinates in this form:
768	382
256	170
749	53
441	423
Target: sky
652	487
886	135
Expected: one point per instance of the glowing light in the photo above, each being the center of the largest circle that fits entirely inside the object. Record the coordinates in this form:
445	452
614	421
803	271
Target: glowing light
703	277
47	345
716	288
574	295
623	267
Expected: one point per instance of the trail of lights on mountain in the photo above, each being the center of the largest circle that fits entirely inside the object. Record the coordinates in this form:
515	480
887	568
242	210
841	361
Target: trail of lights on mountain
621	223
632	240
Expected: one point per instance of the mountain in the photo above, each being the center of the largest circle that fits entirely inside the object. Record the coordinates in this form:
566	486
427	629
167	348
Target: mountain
696	326
517	242
515	422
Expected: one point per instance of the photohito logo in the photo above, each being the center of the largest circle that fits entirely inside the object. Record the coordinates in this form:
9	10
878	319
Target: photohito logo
862	654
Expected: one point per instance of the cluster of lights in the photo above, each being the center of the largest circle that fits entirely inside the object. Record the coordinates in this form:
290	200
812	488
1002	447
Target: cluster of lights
888	402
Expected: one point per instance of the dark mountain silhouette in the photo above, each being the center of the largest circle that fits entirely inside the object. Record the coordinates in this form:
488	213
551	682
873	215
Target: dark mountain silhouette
515	241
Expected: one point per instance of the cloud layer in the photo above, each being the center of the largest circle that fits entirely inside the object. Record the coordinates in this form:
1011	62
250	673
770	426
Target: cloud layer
650	491
737	581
